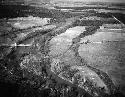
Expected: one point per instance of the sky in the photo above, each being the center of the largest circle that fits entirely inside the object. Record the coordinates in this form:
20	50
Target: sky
121	1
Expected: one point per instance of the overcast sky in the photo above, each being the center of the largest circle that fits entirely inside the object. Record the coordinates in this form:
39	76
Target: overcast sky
121	1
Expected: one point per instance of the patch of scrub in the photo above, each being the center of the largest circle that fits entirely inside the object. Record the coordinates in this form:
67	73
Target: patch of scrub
28	22
105	51
74	32
102	47
32	63
81	76
104	36
60	43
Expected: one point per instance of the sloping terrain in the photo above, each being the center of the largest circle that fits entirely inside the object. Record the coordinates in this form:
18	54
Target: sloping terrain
80	56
